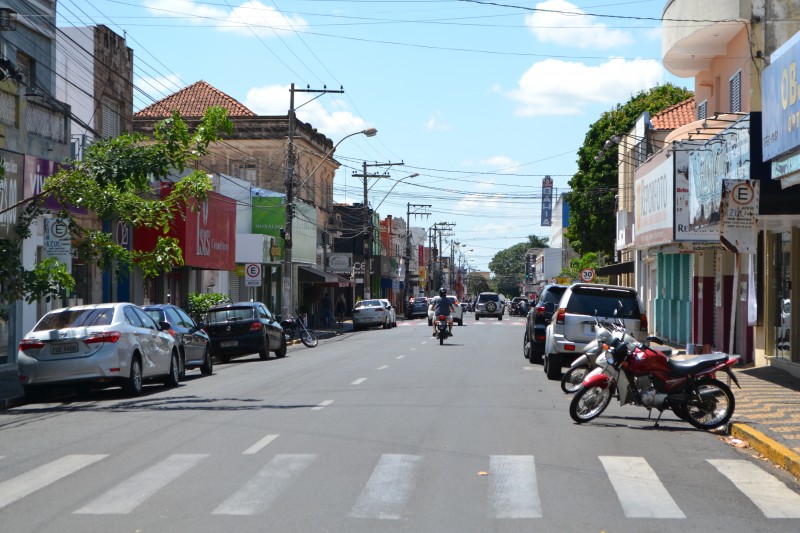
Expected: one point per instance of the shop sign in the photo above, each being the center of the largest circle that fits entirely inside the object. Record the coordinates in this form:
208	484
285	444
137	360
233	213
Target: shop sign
340	263
779	97
739	216
10	191
37	171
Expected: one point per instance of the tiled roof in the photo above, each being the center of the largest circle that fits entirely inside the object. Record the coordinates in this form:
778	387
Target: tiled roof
675	116
192	101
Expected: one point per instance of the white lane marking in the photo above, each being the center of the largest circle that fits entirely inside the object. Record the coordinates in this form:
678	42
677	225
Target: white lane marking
514	491
255	448
257	495
423	342
322	405
527	368
359	381
38	478
129	494
400	357
384	367
640	492
766	491
389	487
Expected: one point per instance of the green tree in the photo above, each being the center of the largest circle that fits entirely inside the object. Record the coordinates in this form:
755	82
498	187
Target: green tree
508	266
592	200
477	284
113	181
577	265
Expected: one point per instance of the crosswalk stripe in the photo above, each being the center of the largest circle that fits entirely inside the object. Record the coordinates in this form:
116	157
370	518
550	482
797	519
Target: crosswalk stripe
389	487
638	488
322	405
255	448
514	492
766	491
38	478
258	494
129	494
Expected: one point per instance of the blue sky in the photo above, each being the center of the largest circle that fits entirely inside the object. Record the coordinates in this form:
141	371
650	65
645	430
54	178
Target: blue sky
481	99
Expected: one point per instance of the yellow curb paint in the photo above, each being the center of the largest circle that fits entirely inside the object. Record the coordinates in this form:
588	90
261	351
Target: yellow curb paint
772	450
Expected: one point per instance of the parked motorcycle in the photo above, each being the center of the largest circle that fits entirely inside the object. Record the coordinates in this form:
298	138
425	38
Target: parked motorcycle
640	375
294	327
442	331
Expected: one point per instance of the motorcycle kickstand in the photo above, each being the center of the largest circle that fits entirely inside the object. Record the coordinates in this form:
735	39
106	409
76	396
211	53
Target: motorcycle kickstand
660	412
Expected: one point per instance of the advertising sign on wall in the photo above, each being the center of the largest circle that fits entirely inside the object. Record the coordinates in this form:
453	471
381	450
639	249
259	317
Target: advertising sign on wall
11	189
37	171
654	191
547	201
780	103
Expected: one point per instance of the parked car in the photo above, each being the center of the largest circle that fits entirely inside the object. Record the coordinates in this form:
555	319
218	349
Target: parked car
392	312
368	313
457	313
537	320
244	328
572	325
417	307
194	344
489	304
105	344
519	306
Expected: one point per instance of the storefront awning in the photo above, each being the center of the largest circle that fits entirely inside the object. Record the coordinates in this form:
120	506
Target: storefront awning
616	269
310	274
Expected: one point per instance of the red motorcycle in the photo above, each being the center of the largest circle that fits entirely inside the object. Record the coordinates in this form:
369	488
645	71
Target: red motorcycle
637	374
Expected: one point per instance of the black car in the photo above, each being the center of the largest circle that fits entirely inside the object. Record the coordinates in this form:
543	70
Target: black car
417	307
244	328
193	343
537	320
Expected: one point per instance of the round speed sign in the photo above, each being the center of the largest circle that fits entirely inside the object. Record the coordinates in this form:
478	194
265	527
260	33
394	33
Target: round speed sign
587	275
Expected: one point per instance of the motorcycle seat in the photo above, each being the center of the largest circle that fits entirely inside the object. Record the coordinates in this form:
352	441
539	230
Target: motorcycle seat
694	365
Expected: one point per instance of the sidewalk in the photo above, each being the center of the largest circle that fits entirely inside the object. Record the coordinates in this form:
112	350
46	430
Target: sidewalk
327	332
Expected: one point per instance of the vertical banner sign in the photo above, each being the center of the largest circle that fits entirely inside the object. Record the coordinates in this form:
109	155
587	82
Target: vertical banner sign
547	201
739	215
57	241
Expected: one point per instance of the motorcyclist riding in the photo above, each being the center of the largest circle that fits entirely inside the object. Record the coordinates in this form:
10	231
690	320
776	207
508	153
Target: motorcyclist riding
442	305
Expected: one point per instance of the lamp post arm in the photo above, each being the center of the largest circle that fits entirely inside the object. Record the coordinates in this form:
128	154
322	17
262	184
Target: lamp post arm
368	132
395	185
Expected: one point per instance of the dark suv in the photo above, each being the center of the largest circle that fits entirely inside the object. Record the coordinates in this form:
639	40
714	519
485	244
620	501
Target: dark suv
572	325
489	304
536	323
244	328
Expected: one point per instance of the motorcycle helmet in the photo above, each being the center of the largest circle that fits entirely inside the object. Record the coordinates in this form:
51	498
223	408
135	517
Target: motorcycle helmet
442	292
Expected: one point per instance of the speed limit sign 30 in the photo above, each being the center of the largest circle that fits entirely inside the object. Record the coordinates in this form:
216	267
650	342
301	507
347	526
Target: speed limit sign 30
587	275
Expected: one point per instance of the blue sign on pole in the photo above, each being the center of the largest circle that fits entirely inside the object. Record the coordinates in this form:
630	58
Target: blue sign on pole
547	201
780	102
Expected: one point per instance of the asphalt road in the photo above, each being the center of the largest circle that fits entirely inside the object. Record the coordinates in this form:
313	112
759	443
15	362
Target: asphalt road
379	430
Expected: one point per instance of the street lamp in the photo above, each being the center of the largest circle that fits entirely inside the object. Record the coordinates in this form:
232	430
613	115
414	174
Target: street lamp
414	175
288	286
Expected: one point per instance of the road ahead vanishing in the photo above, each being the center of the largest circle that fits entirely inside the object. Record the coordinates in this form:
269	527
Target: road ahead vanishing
379	430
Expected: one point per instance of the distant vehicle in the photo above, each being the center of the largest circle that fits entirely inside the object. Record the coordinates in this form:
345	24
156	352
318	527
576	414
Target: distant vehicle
100	344
367	313
244	328
519	306
457	313
489	304
194	345
392	312
417	307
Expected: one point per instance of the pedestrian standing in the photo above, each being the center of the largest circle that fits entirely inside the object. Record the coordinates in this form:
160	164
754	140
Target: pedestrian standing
341	307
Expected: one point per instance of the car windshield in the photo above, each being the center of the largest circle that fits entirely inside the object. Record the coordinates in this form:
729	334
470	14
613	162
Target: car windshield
229	314
489	298
368	303
420	300
75	318
155	314
604	302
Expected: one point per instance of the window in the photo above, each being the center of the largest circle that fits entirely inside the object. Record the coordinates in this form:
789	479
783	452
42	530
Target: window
111	120
146	320
132	317
702	110
26	67
245	170
736	92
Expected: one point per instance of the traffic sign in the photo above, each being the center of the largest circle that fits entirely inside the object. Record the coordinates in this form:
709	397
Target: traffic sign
587	275
252	275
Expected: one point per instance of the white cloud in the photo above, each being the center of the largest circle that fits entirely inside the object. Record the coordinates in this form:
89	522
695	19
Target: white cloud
502	162
436	124
274	100
557	26
555	87
249	18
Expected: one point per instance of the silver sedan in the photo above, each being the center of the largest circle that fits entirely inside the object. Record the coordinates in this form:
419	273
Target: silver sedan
112	343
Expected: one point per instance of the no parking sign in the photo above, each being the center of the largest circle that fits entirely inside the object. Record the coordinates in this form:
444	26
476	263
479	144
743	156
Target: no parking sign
252	275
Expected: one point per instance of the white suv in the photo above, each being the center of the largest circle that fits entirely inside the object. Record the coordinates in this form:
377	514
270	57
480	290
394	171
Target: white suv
489	304
457	313
571	327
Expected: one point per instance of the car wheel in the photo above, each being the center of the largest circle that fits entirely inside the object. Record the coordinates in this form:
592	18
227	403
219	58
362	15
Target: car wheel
461	321
526	346
263	353
281	352
182	366
208	363
553	372
500	317
133	385
477	317
174	377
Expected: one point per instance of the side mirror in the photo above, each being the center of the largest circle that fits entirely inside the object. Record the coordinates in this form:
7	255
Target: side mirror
164	326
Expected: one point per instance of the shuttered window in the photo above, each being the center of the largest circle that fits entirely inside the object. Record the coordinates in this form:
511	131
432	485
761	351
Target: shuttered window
702	110
111	120
736	92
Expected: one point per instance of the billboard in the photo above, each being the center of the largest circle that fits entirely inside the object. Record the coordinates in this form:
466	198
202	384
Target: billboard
547	201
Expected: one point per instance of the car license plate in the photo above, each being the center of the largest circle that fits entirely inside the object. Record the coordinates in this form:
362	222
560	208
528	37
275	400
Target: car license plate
228	344
68	347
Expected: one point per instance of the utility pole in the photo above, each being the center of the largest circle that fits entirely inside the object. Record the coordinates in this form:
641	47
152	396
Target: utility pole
406	279
439	227
287	298
368	236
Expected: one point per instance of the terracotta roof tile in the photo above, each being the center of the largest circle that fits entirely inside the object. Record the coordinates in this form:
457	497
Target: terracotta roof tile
192	102
675	116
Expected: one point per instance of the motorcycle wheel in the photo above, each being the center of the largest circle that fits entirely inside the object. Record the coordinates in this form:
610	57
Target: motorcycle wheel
680	412
588	403
309	339
441	339
573	379
715	407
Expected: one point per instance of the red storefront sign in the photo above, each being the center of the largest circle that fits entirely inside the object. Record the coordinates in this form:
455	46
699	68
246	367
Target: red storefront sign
207	236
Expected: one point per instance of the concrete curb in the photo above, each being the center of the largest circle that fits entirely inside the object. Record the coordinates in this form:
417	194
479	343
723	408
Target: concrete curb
769	448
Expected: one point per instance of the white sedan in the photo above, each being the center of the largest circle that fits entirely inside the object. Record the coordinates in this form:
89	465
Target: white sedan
368	313
392	312
457	313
